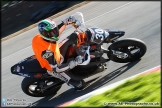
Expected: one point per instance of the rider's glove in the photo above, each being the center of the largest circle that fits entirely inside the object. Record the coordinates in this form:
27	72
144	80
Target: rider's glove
77	24
73	63
69	20
79	59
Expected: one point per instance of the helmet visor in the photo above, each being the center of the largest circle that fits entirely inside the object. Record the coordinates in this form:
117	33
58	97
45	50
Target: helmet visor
53	33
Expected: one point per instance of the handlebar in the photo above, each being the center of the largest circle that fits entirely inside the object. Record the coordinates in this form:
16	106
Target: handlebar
73	24
78	22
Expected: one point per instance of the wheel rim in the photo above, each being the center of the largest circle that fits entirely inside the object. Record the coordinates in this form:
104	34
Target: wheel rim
42	87
131	50
134	50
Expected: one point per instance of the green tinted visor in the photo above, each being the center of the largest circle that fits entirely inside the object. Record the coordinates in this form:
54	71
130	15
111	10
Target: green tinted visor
51	35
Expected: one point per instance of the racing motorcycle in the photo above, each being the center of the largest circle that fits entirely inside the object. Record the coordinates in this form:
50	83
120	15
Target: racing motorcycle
38	83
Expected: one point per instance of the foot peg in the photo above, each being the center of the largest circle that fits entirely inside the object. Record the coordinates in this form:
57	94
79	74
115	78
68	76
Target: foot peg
105	66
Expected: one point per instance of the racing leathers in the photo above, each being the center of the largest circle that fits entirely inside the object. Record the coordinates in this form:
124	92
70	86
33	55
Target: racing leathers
49	56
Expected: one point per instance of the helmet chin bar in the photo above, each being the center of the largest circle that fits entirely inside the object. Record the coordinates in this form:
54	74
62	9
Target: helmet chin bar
49	41
52	41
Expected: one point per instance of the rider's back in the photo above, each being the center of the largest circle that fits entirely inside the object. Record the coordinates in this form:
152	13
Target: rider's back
39	45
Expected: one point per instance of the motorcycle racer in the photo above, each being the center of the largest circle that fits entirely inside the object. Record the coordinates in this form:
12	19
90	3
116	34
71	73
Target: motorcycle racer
46	49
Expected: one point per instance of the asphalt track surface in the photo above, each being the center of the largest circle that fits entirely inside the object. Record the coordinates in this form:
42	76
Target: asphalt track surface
138	19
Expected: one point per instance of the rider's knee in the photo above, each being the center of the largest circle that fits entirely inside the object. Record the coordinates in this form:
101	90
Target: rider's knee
73	37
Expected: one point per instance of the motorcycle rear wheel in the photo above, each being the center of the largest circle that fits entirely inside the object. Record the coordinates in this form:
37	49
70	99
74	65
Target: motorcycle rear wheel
135	49
32	86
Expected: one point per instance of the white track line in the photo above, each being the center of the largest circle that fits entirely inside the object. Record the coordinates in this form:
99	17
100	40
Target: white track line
110	11
15	53
103	89
71	28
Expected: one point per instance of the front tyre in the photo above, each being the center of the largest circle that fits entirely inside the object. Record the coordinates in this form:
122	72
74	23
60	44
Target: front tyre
40	87
134	48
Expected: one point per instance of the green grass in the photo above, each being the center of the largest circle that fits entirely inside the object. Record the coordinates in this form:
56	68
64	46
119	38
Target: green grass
144	89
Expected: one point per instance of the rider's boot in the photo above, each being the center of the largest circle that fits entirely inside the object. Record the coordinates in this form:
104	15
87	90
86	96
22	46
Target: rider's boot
77	84
72	82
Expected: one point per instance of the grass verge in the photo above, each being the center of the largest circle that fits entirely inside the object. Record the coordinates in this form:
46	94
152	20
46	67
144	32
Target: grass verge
140	91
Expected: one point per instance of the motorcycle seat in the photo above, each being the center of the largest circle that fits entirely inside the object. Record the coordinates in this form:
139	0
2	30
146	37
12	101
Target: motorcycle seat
32	65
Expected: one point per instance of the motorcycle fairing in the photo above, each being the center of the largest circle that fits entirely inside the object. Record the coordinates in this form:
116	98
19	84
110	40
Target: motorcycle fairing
28	67
92	68
114	34
98	34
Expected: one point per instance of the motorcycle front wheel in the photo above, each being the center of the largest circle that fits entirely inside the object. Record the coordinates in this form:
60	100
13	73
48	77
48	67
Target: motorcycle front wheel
40	87
133	47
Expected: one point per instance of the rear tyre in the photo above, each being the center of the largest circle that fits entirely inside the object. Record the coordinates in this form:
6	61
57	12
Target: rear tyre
32	86
135	49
